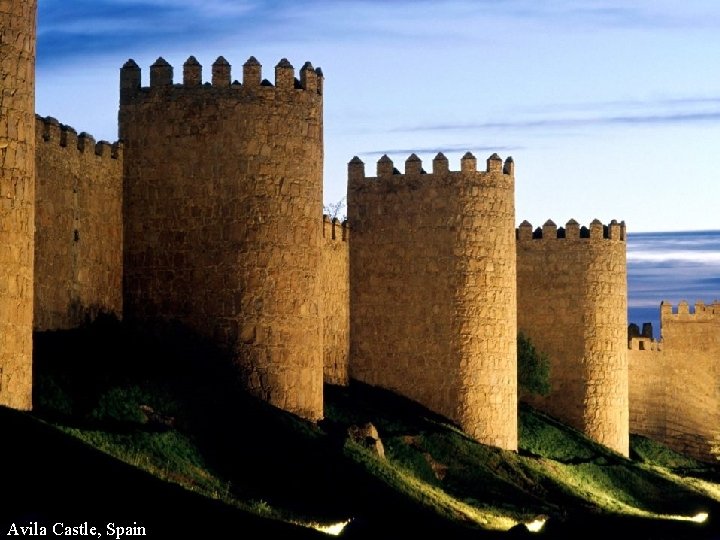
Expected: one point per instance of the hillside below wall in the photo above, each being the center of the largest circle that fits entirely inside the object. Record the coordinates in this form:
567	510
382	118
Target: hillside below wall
78	221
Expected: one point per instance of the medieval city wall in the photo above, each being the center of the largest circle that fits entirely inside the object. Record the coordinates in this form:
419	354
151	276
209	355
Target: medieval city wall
675	382
572	303
335	287
17	200
78	222
222	200
433	291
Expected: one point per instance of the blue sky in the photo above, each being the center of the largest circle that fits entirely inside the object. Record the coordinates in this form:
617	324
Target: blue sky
610	109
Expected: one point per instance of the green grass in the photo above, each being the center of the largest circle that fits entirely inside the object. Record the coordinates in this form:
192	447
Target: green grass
257	460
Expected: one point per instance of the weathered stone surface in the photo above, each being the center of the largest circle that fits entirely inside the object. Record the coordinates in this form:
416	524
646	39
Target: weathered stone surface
17	200
367	435
433	291
675	382
572	303
222	232
78	222
335	287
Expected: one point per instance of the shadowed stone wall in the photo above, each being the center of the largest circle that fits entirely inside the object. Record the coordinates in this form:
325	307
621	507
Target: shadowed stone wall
223	194
78	222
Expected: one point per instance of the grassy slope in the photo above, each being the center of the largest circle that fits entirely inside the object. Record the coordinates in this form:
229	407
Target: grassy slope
246	461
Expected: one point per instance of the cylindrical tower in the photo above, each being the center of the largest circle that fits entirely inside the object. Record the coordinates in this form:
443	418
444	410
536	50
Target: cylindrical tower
433	290
17	200
572	303
222	198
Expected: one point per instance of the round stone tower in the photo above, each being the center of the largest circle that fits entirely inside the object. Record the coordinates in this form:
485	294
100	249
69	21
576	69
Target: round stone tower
433	290
222	198
572	303
17	200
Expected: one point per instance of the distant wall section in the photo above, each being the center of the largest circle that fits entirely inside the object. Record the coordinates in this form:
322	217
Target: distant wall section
572	303
335	287
675	382
78	221
433	291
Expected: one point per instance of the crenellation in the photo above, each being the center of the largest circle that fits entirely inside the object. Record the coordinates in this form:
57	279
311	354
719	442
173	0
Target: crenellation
494	164
509	166
86	143
161	73
356	170
320	80
308	77
252	73
192	72
221	73
130	80
572	231
440	164
549	229
413	165
468	163
385	167
284	75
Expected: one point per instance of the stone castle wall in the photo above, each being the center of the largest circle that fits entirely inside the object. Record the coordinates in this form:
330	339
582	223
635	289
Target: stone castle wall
17	200
675	383
223	193
78	221
432	289
572	303
335	286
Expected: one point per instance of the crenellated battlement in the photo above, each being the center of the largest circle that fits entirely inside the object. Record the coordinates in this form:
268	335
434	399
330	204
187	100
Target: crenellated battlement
702	312
440	168
334	229
572	230
50	131
310	79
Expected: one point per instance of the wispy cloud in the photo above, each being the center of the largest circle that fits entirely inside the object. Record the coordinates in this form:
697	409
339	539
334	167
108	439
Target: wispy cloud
560	123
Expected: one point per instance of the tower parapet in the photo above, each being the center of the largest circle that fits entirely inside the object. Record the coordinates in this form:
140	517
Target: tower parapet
161	80
433	292
223	183
572	303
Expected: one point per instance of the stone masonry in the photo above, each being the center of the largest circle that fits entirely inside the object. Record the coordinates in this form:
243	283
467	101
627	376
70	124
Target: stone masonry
223	191
17	200
433	290
335	286
675	382
78	221
209	215
572	303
